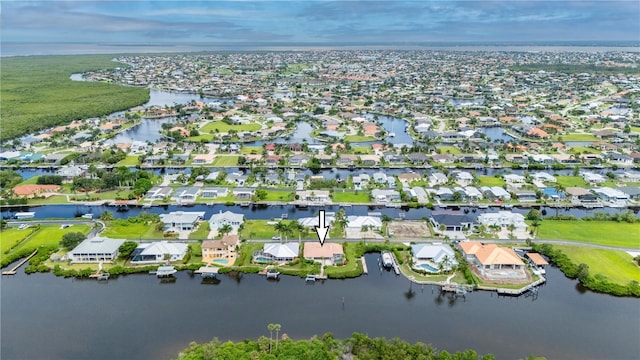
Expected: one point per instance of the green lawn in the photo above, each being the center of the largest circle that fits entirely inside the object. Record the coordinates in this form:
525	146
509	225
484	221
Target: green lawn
583	149
278	195
259	229
30	181
131	160
122	229
223	127
449	150
490	181
248	150
617	266
571	181
105	195
202	232
56	199
357	150
609	233
351	197
575	137
353	263
50	235
12	236
226	160
359	138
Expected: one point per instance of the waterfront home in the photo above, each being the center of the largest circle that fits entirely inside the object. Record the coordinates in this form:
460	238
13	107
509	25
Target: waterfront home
593	178
544	177
200	159
236	178
357	222
361	181
437	178
407	178
612	196
181	220
322	196
311	222
213	192
328	254
94	250
53	158
503	219
243	193
490	257
495	193
29	190
420	194
463	178
221	219
514	179
158	252
452	222
417	158
280	253
526	195
223	249
385	195
158	193
369	160
472	193
443	193
185	194
632	191
298	160
431	256
68	173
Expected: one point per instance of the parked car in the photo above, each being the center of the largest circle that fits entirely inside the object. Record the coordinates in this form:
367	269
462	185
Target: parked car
276	238
23	226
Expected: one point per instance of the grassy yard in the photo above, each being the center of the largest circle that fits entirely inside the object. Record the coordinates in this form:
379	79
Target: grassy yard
571	181
358	150
257	229
122	229
449	150
223	127
575	137
12	236
278	195
56	199
617	266
353	263
359	138
50	235
248	150
584	149
246	253
351	197
131	160
490	181
226	160
202	232
609	233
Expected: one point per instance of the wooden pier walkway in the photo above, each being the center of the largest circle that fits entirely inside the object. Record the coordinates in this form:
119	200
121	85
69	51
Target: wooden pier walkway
396	267
15	268
364	266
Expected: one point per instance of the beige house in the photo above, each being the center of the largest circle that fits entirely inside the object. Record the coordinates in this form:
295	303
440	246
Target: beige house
222	252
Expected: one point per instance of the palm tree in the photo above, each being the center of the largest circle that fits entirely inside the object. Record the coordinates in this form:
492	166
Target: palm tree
299	228
271	327
277	328
281	227
225	229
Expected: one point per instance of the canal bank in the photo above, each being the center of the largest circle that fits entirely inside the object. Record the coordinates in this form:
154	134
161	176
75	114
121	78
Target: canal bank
90	319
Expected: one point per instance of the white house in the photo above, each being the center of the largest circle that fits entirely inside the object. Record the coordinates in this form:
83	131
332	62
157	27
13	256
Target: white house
96	249
221	219
503	219
544	176
181	220
593	178
429	257
359	221
277	253
159	251
385	195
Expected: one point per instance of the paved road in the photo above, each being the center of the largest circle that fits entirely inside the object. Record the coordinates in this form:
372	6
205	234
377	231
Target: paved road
566	242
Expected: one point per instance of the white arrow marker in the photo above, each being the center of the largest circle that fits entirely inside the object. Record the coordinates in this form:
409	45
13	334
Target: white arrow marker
321	229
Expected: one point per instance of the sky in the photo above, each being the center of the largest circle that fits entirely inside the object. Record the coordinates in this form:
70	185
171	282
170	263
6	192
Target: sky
321	22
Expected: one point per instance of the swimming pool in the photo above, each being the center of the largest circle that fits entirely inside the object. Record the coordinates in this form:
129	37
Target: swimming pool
221	261
262	259
428	267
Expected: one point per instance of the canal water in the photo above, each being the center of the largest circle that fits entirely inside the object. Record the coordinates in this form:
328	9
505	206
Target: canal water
141	317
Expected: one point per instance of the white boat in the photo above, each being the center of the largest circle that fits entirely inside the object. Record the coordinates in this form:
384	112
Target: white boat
25	215
387	260
164	271
87	216
272	274
311	278
392	134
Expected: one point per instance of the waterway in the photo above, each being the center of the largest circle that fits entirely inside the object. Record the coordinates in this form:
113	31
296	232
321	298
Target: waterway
140	317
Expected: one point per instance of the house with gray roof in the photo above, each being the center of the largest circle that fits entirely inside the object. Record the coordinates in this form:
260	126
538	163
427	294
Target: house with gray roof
185	194
221	219
94	250
181	220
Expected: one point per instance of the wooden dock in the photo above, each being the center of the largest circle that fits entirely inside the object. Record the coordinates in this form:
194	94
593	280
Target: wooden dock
15	268
396	267
364	266
516	292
